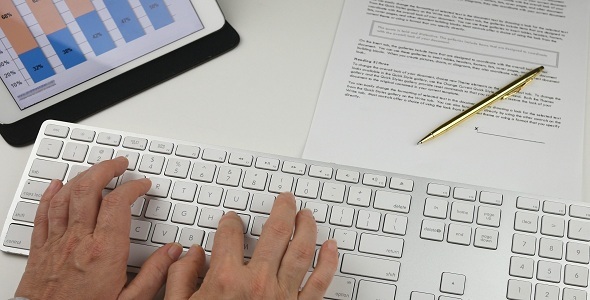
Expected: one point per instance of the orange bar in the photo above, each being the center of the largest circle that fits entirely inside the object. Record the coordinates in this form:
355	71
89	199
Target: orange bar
15	29
47	15
79	7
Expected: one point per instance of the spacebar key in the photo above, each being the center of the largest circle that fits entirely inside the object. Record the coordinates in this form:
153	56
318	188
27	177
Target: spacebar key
46	169
370	267
138	254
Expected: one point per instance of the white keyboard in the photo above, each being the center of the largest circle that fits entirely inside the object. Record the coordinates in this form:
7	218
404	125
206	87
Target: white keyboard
400	237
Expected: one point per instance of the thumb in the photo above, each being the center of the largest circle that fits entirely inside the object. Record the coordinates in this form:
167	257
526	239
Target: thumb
153	273
183	274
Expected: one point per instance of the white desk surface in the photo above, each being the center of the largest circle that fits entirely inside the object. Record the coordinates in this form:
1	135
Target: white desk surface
260	96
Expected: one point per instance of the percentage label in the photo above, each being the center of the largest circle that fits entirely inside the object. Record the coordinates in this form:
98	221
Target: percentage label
6	16
96	35
16	83
125	20
8	74
4	63
154	5
67	50
37	67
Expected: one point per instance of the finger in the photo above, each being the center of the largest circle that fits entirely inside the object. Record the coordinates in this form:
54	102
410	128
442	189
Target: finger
300	252
153	273
114	216
86	192
320	279
228	246
39	236
276	233
183	274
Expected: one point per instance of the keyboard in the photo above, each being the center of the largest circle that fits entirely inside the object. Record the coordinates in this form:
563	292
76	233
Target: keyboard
399	236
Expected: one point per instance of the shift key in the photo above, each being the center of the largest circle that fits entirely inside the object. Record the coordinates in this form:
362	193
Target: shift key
370	267
46	169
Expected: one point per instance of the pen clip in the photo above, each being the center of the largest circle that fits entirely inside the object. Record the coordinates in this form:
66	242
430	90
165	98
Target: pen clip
517	89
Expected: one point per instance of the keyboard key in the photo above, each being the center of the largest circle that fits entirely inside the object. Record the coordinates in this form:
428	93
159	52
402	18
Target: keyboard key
132	157
490	198
459	234
18	236
160	187
134	143
320	172
255	180
546	292
82	135
576	275
108	139
139	230
75	152
138	254
401	184
137	207
210	195
435	208
203	172
526	222
214	155
229	176
33	190
392	201
187	151
346	239
381	245
280	183
358	196
191	236
152	164
572	294
184	214
552	226
25	212
342	215
375	290
441	190
240	159
374	180
486	238
524	244
550	248
267	163
158	210
347	176
184	191
527	203
549	271
257	225
395	224
421	296
464	194
45	169
236	199
56	130
432	230
577	252
323	234
164	234
334	192
368	220
462	212
519	290
307	188
293	168
488	216
99	154
161	147
262	203
370	267
452	283
210	217
177	168
340	289
578	211
555	208
521	267
128	176
579	230
49	148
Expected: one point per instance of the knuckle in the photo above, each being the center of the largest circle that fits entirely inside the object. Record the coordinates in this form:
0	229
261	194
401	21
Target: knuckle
82	187
320	282
279	229
303	253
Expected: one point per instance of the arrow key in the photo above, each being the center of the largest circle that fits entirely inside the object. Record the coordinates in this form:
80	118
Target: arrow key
452	283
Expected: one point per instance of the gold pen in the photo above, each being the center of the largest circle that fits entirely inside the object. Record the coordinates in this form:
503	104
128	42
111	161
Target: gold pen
504	92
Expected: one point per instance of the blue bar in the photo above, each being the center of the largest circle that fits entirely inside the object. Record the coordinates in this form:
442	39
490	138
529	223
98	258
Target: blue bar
67	49
36	64
158	13
96	33
125	19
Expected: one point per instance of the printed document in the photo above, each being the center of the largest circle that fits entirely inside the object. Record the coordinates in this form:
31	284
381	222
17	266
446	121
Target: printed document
401	68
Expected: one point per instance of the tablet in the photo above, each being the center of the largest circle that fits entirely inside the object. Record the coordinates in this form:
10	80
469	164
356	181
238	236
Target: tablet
52	51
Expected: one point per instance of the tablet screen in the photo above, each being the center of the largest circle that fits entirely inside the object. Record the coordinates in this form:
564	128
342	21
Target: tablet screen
47	47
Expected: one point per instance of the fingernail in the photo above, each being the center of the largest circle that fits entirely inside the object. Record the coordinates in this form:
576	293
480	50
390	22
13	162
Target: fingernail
175	251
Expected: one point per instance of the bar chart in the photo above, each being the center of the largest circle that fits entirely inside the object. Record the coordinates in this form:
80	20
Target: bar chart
42	38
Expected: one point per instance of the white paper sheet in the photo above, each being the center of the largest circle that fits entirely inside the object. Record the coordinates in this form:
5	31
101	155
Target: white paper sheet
399	69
